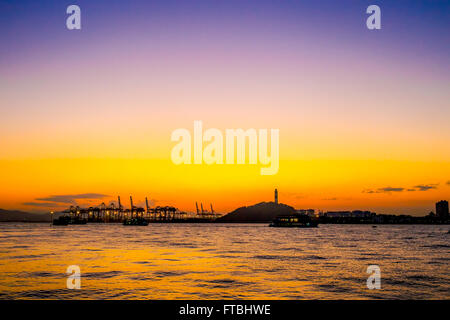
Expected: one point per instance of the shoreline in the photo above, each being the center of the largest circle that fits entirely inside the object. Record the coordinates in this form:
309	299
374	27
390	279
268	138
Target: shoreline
238	223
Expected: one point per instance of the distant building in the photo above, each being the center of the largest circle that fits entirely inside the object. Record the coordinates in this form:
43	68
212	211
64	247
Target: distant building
442	209
355	213
338	213
276	196
360	213
308	212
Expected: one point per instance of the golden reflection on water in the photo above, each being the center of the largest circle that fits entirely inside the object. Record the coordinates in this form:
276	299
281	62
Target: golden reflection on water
182	261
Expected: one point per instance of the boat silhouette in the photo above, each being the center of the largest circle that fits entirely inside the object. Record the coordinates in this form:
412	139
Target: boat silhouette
136	221
294	221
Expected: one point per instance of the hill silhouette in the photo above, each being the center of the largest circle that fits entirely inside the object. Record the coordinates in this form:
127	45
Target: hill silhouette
260	212
20	216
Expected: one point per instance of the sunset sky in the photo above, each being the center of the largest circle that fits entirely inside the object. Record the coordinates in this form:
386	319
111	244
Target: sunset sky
87	115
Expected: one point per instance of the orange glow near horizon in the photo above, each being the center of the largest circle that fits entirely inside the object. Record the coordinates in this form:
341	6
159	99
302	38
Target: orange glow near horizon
93	111
318	184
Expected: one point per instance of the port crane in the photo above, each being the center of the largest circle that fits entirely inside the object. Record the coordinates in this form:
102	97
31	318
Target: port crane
117	213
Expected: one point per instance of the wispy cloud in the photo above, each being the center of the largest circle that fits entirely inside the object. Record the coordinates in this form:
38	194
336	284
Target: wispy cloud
420	187
426	187
62	200
384	190
390	189
72	198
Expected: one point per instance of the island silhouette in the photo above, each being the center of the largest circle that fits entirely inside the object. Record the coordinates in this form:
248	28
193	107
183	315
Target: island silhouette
261	212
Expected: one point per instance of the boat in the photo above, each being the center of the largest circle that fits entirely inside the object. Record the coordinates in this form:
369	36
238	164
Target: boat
66	220
294	221
78	220
138	221
61	221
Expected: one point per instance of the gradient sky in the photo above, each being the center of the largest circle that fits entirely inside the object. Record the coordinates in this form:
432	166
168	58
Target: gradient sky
363	115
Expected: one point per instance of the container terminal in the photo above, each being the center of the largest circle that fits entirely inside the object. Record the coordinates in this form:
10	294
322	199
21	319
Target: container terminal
133	215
